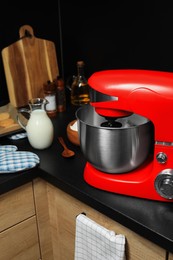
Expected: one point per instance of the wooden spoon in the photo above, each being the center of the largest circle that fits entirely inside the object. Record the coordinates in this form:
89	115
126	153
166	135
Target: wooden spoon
66	152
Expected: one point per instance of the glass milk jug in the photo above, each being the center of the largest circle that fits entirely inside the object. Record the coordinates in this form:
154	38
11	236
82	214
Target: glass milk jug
39	126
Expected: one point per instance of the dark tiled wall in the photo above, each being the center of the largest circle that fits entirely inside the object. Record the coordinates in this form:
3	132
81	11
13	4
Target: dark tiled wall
117	34
105	34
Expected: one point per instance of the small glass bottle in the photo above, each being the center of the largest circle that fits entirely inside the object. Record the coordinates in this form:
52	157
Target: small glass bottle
80	87
50	94
60	94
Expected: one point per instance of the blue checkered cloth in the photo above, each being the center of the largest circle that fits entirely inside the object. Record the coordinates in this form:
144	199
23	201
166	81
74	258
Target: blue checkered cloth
18	136
15	161
7	148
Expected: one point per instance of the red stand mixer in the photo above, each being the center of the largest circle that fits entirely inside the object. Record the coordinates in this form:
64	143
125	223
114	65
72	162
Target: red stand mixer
121	93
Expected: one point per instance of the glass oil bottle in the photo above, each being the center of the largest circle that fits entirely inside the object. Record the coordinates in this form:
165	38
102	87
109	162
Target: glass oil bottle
80	87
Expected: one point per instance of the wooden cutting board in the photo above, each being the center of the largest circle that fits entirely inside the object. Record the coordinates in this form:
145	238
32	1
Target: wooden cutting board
28	64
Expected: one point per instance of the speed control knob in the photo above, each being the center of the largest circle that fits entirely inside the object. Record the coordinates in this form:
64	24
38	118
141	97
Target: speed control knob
164	183
161	157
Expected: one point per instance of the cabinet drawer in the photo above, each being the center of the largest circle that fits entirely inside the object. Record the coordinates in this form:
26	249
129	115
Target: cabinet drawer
16	206
20	242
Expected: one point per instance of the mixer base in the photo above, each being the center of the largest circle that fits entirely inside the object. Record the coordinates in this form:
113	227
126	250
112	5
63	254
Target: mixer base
138	183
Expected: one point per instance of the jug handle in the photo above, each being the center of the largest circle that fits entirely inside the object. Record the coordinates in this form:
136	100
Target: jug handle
22	110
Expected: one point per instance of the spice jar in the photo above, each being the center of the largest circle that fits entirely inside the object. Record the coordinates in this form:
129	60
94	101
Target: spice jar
50	95
60	94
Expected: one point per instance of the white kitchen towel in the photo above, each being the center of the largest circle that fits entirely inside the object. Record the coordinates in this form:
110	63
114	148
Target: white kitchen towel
94	242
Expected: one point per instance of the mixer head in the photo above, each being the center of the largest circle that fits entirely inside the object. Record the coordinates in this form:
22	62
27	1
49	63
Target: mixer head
105	105
120	93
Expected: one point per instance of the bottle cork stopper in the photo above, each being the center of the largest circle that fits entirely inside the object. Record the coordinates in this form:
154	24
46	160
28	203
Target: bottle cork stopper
80	63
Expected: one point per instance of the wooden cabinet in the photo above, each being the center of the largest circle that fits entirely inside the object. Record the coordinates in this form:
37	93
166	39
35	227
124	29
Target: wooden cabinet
56	214
18	227
20	241
38	222
43	212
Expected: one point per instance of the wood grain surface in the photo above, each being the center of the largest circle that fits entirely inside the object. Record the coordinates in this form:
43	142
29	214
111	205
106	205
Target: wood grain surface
28	64
13	114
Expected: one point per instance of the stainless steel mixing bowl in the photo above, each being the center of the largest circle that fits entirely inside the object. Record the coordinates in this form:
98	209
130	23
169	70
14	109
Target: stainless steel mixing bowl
114	150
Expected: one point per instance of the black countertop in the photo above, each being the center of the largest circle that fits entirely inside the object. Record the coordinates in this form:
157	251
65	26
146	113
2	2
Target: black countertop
150	219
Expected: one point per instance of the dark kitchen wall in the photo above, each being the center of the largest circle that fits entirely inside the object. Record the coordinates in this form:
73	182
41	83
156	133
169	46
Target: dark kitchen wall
105	34
117	34
44	20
